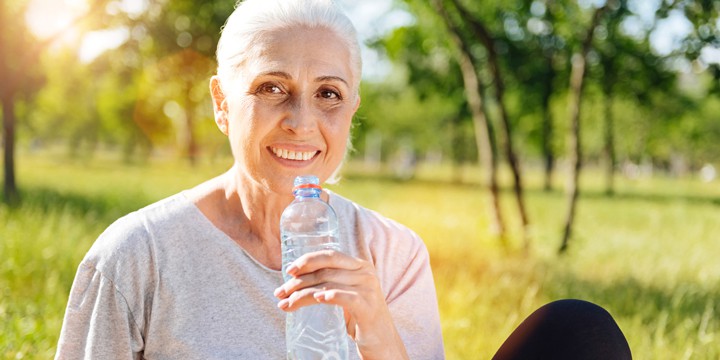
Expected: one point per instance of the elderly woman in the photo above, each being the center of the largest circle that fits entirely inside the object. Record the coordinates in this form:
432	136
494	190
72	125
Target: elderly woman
197	275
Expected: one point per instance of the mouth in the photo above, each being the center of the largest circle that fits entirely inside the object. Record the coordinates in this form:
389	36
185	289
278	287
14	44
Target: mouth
293	155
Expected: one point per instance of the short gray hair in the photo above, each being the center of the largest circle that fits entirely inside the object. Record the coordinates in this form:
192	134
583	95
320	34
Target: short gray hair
252	18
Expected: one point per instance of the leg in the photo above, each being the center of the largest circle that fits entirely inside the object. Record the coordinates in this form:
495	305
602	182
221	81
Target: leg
566	329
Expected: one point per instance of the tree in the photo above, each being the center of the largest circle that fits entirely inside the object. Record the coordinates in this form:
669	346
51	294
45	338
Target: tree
179	42
481	32
18	62
535	57
577	78
473	91
425	72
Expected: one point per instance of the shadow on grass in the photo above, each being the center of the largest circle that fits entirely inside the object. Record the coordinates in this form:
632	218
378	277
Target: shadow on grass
680	312
629	297
556	192
108	206
653	197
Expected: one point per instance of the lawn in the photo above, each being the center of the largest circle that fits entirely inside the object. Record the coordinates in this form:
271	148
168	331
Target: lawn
648	254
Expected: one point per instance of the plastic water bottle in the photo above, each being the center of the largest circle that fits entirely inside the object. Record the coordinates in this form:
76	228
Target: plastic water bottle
315	332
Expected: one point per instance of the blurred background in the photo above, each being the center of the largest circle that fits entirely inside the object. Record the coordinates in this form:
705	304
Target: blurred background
543	149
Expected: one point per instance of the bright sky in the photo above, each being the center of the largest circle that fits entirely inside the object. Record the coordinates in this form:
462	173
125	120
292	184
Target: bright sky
373	18
47	18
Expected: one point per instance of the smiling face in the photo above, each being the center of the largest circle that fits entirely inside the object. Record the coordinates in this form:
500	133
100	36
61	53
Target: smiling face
289	110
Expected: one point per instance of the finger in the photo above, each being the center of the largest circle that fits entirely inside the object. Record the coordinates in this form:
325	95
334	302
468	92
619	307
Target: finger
297	300
303	297
336	297
314	261
327	278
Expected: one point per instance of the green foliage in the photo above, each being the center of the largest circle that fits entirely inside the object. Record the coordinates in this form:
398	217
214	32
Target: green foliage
424	102
536	40
151	93
425	123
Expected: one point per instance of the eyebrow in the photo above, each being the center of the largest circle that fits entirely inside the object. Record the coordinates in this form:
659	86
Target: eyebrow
332	78
284	75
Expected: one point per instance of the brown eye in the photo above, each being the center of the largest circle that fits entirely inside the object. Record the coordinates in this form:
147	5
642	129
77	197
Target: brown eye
329	94
271	89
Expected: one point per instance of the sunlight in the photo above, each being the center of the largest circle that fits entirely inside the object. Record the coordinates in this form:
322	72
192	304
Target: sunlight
95	43
48	19
58	21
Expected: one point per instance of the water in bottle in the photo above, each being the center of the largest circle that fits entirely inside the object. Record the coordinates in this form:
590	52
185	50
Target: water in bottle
315	332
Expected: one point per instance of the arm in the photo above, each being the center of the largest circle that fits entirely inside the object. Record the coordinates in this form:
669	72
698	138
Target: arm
98	323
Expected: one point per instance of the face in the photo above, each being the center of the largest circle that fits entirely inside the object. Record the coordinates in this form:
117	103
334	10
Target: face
289	111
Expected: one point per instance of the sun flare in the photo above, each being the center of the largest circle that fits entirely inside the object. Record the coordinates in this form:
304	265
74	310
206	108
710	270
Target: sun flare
49	19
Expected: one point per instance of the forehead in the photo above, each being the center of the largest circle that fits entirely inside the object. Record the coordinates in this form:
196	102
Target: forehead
317	52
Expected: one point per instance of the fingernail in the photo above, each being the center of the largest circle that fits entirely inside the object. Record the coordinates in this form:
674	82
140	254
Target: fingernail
279	292
284	304
291	269
319	296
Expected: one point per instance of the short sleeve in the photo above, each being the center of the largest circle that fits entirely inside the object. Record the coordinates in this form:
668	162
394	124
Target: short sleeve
402	264
412	301
98	323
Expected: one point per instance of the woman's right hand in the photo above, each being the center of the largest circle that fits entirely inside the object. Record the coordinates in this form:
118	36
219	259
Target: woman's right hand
331	277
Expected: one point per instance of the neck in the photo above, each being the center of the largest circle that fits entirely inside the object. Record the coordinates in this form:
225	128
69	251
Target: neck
257	208
247	212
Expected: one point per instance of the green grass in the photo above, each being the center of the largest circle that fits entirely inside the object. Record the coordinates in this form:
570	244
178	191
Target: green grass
648	255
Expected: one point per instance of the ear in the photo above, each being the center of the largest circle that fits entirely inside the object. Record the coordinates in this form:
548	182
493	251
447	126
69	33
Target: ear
219	104
357	104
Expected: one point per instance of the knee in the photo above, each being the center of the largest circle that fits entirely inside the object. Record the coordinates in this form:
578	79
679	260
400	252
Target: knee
567	329
585	323
574	309
573	315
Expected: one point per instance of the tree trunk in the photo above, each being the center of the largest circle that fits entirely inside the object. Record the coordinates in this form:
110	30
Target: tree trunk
9	188
574	146
481	125
191	147
547	126
15	81
7	101
577	77
494	64
609	146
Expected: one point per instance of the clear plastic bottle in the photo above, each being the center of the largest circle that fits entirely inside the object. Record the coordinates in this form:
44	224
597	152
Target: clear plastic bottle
315	332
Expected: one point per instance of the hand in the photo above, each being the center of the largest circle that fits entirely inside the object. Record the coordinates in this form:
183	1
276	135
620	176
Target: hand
331	277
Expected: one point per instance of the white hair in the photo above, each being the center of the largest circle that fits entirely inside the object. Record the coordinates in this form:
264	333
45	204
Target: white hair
253	18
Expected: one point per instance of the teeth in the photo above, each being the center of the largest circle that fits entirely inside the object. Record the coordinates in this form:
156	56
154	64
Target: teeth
293	155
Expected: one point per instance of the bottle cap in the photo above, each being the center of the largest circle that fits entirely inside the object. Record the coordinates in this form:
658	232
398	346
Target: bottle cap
306	182
307	186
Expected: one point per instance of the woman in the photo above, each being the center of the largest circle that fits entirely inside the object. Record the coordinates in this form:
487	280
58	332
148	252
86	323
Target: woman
197	275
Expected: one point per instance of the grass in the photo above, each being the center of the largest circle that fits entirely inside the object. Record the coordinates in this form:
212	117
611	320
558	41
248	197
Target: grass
648	255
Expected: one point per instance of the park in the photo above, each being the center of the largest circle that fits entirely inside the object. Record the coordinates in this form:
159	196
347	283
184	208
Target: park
542	150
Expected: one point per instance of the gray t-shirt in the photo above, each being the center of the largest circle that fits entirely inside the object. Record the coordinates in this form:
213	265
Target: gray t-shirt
164	283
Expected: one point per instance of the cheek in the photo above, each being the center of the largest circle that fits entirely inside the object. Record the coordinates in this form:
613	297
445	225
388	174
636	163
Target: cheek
338	130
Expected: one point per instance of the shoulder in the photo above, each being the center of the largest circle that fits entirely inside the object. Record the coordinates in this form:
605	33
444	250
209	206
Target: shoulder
129	241
399	255
382	237
369	220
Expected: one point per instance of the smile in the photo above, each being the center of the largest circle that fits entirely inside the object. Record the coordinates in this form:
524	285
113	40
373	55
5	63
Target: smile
293	155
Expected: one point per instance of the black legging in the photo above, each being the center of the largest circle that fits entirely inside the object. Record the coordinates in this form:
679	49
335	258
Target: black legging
566	329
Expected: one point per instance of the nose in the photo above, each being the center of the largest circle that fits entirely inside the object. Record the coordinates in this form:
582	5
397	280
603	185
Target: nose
299	119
